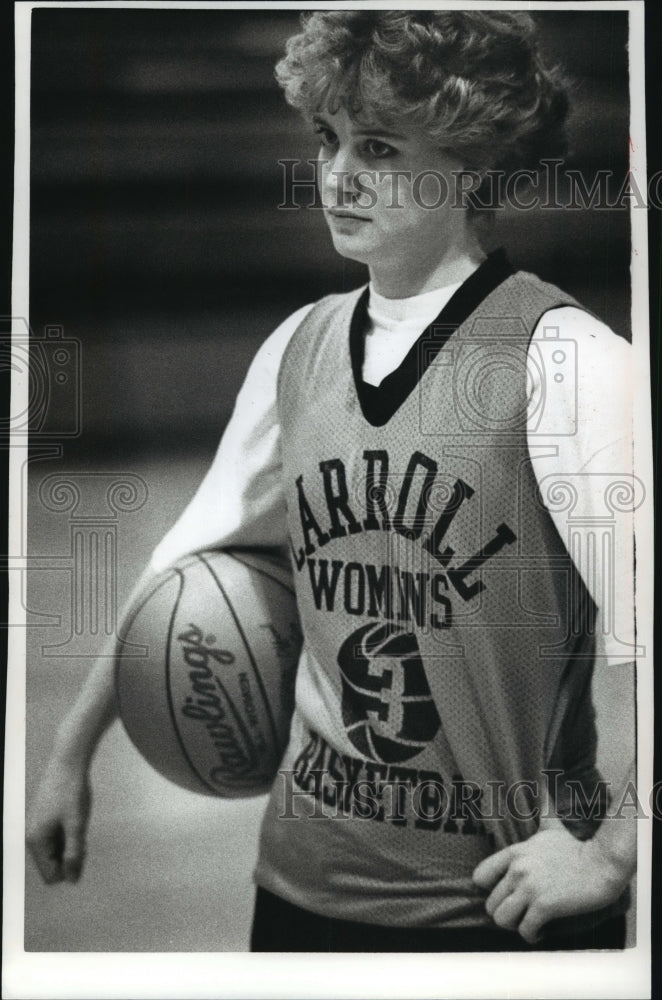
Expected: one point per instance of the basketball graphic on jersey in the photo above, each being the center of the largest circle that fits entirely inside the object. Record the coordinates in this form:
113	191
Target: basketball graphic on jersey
387	707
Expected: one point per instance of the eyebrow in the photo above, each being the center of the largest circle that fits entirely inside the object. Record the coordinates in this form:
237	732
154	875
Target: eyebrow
372	130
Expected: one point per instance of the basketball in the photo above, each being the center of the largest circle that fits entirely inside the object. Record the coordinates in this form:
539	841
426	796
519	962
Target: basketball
205	671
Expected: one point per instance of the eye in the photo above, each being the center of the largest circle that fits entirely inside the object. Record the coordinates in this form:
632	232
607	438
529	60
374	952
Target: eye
379	150
326	136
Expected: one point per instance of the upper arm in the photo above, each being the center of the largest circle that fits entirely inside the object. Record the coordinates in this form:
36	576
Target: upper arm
591	458
585	457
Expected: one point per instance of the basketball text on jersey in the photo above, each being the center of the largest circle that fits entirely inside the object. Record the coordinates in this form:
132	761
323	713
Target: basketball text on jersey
384	793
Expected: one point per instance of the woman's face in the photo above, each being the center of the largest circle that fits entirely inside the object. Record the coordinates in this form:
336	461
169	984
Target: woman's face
389	198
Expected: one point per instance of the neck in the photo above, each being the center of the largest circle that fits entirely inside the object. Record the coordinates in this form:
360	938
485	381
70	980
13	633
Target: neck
401	282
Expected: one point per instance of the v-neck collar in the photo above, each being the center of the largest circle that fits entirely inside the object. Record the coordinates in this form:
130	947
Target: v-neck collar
380	402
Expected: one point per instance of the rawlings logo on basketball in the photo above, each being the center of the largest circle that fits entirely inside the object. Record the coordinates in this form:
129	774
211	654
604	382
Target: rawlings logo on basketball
387	707
211	706
199	649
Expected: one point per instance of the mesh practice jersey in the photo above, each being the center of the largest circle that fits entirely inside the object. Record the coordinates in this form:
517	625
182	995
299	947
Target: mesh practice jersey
448	642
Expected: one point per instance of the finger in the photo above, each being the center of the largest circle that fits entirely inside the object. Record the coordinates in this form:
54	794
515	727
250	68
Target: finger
48	867
489	871
74	854
531	926
510	912
72	866
46	849
501	891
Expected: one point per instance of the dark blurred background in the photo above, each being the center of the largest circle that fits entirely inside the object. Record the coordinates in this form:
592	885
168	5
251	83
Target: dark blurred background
156	239
157	245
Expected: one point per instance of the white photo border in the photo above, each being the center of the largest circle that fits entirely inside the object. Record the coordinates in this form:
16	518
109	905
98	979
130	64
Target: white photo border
85	975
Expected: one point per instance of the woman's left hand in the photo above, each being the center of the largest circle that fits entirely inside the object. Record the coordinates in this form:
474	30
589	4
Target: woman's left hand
548	876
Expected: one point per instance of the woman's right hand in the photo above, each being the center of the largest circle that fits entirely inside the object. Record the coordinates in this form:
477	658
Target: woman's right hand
58	820
59	815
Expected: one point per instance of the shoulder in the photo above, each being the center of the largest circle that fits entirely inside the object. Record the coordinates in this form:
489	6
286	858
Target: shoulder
537	296
580	322
584	371
274	346
326	320
524	296
561	316
595	343
332	305
267	360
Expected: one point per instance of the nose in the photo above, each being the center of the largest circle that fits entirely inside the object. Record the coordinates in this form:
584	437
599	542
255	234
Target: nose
339	169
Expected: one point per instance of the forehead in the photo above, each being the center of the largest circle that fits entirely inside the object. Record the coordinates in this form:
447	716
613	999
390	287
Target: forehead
370	121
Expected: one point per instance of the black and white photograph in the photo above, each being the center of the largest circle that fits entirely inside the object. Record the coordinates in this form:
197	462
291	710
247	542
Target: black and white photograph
330	647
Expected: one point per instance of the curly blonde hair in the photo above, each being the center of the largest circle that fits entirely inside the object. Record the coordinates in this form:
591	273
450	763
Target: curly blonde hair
474	81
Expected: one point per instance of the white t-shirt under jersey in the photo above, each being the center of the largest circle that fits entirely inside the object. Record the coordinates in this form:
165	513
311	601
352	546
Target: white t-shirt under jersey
579	436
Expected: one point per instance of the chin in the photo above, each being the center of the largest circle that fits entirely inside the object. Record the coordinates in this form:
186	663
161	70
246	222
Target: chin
349	248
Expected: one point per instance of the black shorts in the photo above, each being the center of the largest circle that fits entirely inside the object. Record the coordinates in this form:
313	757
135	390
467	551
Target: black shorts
281	926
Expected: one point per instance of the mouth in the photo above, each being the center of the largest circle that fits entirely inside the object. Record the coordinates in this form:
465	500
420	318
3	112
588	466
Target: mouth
340	213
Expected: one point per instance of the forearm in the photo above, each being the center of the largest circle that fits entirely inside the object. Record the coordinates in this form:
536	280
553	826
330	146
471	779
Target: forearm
616	837
91	714
613	694
95	708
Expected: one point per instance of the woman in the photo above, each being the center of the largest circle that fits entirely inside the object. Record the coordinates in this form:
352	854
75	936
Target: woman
387	438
